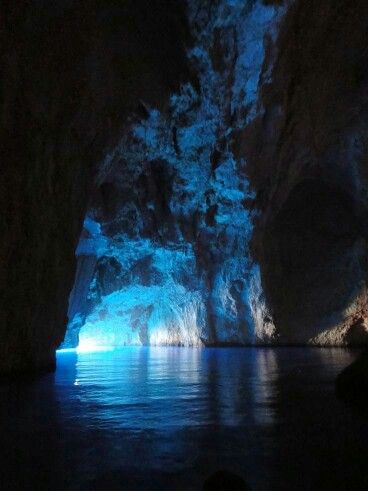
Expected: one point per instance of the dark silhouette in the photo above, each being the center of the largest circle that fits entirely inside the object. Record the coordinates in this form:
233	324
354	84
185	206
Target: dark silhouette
352	384
225	481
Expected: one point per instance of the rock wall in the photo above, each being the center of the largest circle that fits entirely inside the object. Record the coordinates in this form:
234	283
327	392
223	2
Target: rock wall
241	219
226	197
174	204
71	73
307	160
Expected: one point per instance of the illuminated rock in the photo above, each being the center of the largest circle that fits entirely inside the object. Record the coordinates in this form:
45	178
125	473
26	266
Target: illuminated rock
72	72
172	203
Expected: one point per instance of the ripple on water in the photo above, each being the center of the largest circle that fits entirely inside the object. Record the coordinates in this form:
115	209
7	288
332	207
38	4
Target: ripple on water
167	417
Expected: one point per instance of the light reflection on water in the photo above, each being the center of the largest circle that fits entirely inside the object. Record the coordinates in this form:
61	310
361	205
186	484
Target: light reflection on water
142	388
164	418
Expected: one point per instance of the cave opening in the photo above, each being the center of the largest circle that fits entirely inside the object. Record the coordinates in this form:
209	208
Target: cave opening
164	256
192	175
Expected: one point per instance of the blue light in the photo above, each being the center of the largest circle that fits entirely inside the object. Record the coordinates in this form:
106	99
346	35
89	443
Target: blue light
167	301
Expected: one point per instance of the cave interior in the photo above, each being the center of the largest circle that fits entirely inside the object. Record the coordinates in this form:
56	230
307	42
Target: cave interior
186	175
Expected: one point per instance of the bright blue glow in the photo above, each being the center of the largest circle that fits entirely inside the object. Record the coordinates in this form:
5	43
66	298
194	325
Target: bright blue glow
118	383
67	350
204	265
87	346
163	312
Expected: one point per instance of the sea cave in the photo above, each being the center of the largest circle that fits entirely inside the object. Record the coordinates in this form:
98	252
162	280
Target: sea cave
184	253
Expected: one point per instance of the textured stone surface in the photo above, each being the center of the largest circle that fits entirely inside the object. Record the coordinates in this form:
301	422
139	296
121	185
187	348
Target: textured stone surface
307	159
173	203
243	217
231	209
71	74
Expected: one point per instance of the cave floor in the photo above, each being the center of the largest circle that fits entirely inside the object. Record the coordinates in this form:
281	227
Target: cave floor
166	418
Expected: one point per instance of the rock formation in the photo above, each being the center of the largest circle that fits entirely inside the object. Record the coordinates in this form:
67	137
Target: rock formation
173	204
71	75
223	185
241	219
307	159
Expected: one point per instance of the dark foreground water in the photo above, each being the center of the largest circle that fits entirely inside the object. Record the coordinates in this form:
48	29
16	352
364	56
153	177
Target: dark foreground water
166	418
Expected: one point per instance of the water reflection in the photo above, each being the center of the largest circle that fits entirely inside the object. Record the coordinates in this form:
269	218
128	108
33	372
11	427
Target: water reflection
265	386
140	388
165	418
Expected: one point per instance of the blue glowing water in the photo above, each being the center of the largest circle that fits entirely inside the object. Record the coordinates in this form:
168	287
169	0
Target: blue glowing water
165	418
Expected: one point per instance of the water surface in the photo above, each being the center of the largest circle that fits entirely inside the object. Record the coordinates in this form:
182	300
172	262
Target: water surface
166	418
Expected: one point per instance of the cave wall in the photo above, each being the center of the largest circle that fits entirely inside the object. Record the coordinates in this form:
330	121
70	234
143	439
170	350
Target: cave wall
71	73
241	219
307	160
227	195
174	204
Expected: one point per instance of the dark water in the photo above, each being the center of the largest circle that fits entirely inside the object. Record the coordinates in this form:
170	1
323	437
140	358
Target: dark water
165	418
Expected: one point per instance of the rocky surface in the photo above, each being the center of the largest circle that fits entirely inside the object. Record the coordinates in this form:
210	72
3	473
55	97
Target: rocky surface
71	74
241	219
224	189
307	158
176	227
